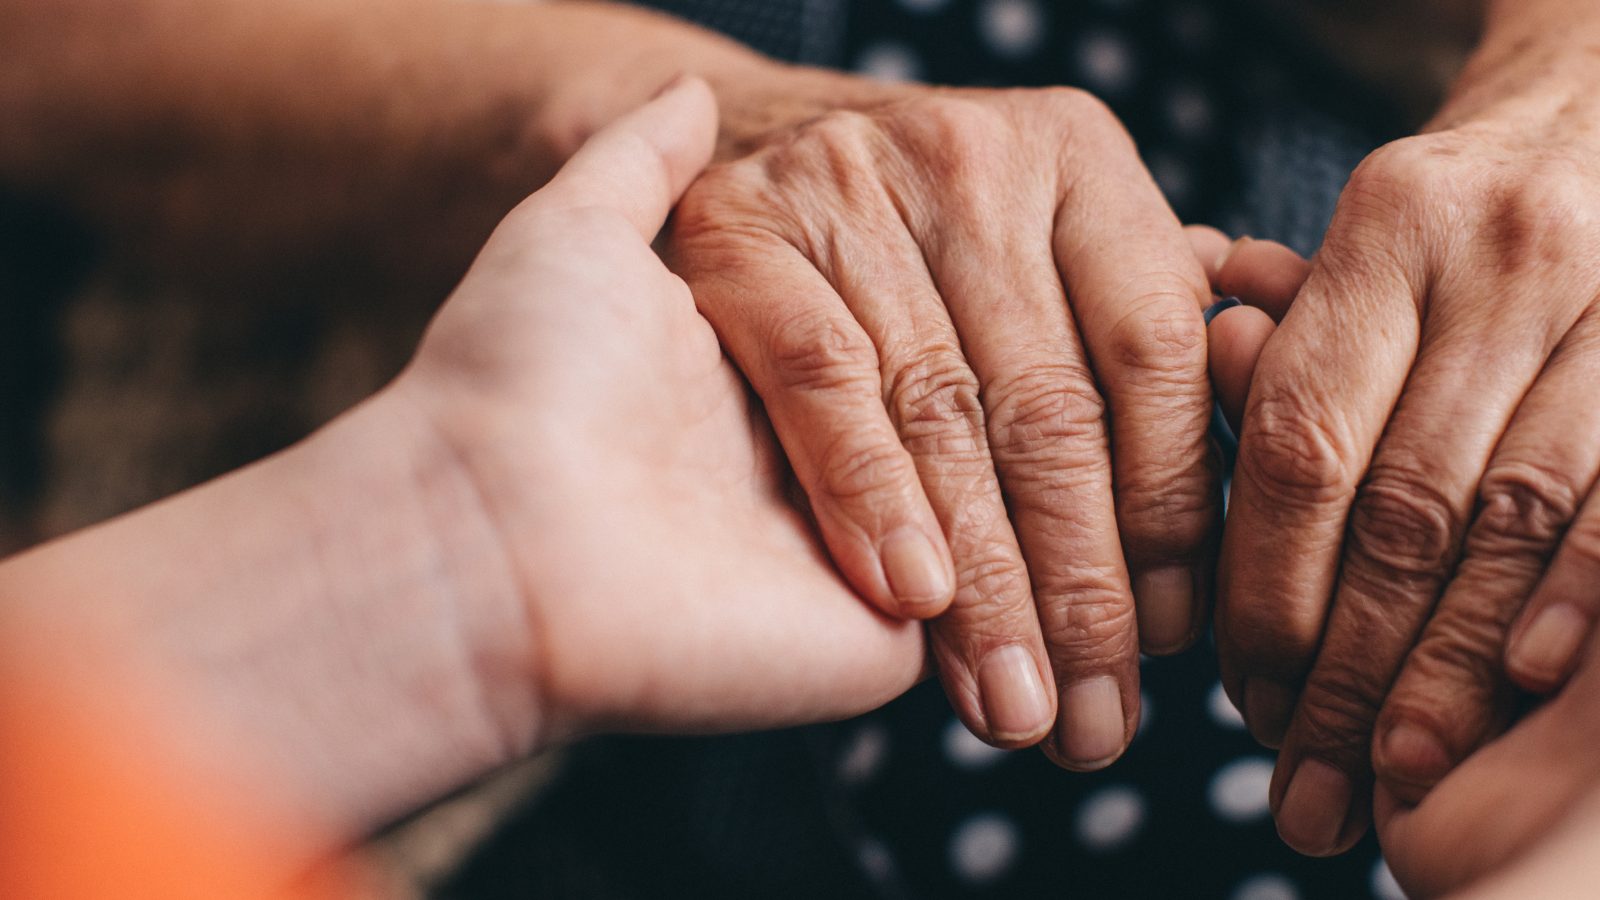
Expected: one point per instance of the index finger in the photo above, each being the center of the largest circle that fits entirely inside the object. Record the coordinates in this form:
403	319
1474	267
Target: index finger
1137	292
1319	400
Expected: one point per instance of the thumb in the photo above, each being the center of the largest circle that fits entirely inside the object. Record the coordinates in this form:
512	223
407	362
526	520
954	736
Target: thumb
1266	276
1236	336
639	165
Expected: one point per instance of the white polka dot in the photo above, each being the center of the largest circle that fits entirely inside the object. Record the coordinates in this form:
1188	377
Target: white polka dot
923	6
1107	61
863	756
1110	818
1384	887
1189	112
983	848
1239	789
889	61
1012	28
875	859
1223	712
1266	887
965	750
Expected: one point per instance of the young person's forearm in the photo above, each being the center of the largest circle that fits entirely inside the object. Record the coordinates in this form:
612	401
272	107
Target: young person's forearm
336	621
290	131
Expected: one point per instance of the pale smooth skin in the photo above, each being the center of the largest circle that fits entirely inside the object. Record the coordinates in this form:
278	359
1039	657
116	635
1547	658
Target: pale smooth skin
1420	442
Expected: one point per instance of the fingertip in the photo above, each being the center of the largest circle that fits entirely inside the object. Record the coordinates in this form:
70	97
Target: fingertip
1264	274
687	113
640	165
1094	723
1236	339
1210	247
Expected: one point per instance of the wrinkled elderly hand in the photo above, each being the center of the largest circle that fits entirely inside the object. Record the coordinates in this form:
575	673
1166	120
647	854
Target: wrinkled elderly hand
976	328
1418	453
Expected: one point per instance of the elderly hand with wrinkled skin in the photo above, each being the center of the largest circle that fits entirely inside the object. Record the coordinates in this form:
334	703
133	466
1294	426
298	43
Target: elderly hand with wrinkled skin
1412	512
976	327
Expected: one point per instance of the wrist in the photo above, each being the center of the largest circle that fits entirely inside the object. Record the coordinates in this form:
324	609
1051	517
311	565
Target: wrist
1536	61
335	621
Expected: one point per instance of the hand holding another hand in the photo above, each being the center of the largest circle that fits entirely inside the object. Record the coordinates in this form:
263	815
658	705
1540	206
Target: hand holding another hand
976	326
668	581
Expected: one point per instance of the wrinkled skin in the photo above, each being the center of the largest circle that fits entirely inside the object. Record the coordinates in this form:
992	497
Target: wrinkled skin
940	296
1418	455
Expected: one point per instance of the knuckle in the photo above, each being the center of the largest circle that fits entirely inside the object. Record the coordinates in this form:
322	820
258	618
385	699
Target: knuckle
1290	455
1422	163
1044	411
1462	647
1090	617
1399	181
1088	115
1163	335
958	138
1338	708
938	392
1404	525
1525	505
1532	220
1172	514
821	351
993	581
854	469
724	194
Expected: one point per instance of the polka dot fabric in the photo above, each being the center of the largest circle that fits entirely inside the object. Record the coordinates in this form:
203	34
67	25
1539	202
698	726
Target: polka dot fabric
1183	815
1159	65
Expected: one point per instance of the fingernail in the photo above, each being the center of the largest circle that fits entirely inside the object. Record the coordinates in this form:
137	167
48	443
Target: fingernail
1413	754
1220	307
1164	599
1546	648
1092	723
916	570
1314	808
1267	708
1016	704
